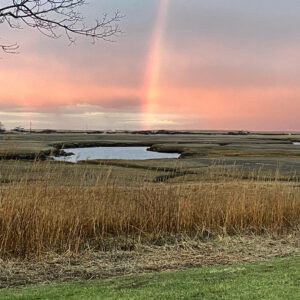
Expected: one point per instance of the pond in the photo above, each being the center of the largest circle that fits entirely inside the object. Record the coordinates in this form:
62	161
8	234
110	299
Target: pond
139	153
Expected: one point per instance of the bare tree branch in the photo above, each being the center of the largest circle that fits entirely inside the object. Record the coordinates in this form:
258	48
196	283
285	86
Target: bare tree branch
55	18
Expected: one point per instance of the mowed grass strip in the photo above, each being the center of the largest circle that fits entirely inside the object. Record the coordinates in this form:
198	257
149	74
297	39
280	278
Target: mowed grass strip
274	279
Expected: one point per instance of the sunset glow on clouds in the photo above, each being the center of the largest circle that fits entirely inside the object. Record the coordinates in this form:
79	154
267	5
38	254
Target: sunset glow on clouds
179	64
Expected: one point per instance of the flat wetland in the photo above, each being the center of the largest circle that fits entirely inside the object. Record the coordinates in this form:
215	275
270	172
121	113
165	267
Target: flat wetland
231	197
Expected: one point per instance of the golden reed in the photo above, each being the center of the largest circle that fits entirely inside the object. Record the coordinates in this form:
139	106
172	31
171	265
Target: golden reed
44	216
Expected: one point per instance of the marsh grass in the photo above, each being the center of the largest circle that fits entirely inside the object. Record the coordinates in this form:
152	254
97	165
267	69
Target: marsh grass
50	208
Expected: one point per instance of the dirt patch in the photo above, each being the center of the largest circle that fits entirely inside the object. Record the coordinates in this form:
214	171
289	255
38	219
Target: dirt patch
184	254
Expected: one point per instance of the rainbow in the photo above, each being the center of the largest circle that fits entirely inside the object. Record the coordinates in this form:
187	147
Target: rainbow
151	89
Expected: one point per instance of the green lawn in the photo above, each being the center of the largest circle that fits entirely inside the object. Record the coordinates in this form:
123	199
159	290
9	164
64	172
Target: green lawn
275	279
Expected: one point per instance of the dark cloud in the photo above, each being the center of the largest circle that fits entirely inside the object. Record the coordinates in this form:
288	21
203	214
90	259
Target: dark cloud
253	23
92	106
232	43
124	104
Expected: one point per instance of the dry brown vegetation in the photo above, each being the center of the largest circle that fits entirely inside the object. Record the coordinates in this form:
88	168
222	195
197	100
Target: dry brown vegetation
59	213
181	254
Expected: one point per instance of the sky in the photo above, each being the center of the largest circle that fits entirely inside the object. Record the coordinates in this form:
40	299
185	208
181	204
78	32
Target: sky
209	64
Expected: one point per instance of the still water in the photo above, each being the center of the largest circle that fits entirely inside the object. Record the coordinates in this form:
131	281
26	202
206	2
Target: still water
140	153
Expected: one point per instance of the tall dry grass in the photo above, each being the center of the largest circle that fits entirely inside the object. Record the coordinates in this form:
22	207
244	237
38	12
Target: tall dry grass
37	217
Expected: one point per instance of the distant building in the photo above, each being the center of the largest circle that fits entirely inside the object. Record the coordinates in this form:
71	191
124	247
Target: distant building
241	132
2	128
19	129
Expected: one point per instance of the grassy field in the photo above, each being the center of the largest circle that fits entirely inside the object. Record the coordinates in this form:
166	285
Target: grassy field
226	193
274	279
